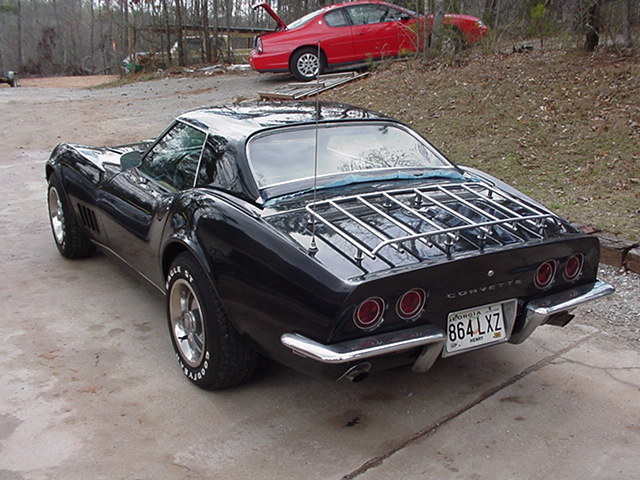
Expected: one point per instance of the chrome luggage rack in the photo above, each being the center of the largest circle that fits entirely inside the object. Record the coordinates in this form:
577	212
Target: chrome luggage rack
451	218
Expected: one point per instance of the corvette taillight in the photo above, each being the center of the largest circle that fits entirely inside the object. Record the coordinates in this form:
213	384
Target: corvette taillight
545	274
369	313
573	267
411	303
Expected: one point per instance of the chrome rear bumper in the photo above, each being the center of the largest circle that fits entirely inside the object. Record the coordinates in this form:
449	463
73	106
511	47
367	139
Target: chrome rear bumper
538	312
366	347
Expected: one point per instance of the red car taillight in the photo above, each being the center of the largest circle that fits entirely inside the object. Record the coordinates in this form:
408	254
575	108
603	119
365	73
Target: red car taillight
573	267
411	303
258	44
545	274
369	313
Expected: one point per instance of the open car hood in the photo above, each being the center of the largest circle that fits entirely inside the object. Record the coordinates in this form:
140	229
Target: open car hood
274	15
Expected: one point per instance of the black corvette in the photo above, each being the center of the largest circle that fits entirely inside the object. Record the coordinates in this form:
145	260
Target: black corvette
327	237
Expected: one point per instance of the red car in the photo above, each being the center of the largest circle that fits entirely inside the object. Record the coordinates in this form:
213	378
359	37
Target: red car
346	34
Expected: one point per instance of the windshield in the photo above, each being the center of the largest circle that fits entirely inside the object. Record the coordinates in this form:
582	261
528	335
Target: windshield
287	155
301	21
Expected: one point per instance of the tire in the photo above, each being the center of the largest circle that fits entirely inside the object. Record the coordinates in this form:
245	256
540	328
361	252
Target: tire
211	353
306	65
68	235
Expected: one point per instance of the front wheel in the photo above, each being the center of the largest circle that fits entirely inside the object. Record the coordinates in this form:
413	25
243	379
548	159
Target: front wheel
307	63
211	353
70	238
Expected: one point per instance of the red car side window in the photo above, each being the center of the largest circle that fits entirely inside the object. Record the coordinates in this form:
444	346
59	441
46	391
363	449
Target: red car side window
394	15
367	14
336	18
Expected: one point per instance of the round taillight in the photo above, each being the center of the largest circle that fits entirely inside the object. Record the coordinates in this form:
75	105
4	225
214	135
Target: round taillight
573	267
368	315
545	274
411	303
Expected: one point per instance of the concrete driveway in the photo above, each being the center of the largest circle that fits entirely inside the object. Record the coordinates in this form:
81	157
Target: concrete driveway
90	388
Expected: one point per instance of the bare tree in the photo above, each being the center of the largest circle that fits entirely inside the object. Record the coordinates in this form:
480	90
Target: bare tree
491	12
19	14
626	23
436	30
206	31
215	29
592	24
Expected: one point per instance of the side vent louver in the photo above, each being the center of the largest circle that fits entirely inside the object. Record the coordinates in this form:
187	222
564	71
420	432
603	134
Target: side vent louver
89	219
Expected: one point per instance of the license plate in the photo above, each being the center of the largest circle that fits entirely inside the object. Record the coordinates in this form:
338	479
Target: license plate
475	327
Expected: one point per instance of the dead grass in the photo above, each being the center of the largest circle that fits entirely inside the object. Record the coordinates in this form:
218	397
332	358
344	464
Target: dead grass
562	126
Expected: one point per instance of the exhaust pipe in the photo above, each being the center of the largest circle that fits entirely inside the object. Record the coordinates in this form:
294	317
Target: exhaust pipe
560	319
357	373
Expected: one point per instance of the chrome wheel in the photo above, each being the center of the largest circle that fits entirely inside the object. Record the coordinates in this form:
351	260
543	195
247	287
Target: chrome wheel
56	215
187	323
210	352
308	65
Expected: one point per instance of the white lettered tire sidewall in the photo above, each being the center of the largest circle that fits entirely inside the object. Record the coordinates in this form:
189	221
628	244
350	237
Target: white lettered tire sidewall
194	368
210	352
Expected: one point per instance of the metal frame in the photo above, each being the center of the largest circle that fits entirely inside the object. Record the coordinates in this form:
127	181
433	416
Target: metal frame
439	216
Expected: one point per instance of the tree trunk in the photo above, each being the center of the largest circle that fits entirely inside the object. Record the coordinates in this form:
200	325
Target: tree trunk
215	30
490	15
126	40
626	23
438	26
229	16
181	59
167	32
426	41
592	25
433	28
92	34
20	56
207	32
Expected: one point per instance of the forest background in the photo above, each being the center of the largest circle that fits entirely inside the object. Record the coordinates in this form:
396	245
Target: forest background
75	37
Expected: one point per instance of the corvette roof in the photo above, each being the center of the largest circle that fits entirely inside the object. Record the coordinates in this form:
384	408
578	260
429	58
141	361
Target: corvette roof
239	121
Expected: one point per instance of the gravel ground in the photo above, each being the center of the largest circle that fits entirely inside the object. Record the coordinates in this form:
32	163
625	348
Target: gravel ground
617	315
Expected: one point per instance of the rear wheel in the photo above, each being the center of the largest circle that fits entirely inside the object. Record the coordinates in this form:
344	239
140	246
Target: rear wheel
69	237
307	64
211	353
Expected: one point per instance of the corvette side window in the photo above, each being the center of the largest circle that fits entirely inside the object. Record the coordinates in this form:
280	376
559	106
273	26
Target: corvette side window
218	166
173	161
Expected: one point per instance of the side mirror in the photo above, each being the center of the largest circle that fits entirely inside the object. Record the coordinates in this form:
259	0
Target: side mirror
130	160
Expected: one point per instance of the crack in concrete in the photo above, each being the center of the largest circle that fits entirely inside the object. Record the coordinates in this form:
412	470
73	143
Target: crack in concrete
434	427
609	371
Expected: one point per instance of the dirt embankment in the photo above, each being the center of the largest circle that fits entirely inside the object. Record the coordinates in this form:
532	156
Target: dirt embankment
561	125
